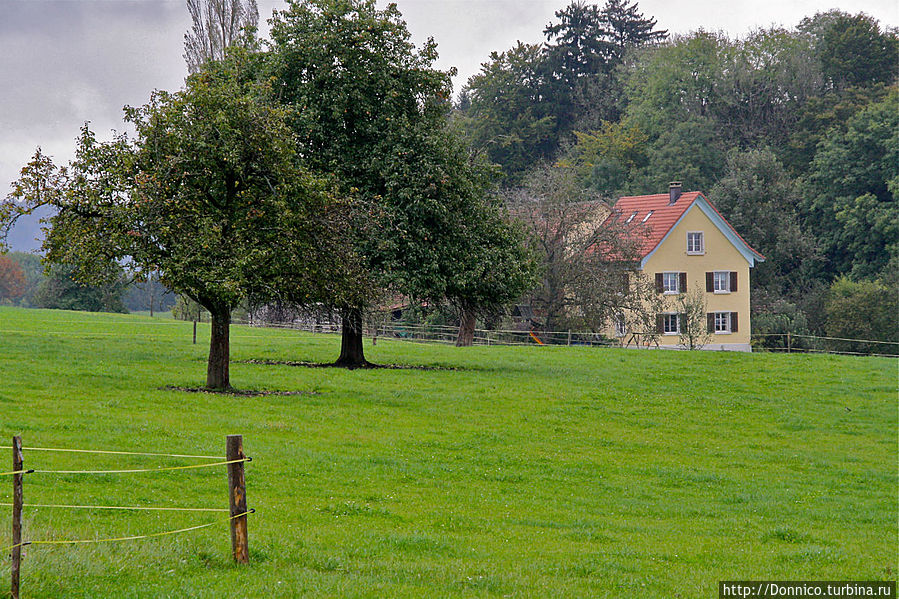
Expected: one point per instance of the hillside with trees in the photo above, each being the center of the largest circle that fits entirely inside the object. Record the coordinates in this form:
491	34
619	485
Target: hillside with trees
792	132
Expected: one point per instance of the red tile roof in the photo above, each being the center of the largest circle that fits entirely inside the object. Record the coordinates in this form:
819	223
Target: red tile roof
662	218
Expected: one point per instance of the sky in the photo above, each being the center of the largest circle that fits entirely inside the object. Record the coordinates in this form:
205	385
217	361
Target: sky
64	62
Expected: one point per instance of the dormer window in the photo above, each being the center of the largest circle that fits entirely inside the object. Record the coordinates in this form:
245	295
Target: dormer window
631	217
695	242
648	214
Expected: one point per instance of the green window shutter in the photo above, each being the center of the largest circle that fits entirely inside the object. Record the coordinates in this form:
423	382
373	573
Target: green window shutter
660	284
683	283
710	282
733	322
733	281
660	323
710	321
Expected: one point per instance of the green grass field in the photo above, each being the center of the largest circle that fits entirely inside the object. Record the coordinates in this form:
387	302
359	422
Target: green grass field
518	472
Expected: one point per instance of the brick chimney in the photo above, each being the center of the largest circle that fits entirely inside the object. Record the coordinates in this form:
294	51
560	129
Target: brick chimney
674	191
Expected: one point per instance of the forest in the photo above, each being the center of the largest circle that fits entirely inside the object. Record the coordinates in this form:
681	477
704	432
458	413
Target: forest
792	133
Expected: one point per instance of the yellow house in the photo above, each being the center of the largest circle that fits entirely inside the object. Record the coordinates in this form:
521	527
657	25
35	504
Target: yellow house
687	246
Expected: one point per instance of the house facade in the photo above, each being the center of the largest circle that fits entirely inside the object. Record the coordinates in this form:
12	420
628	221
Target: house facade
688	246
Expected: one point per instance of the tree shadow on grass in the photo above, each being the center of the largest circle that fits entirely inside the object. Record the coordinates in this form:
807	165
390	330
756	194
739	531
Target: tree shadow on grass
366	366
233	391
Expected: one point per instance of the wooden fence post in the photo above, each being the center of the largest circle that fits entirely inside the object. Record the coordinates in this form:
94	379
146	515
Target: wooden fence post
789	343
237	499
17	500
195	332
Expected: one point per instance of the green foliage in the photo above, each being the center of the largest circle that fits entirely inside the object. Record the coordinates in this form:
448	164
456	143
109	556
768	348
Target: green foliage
584	47
370	107
852	48
525	103
767	79
626	28
604	158
774	322
60	291
524	471
689	152
678	81
495	265
862	310
853	188
357	86
508	118
761	202
209	195
576	44
237	210
823	116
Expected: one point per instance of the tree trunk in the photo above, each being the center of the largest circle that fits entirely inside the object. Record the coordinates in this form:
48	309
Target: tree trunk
352	354
217	376
465	338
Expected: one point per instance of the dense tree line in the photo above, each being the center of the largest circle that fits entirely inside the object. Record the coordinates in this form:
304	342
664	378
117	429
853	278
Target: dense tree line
26	282
793	133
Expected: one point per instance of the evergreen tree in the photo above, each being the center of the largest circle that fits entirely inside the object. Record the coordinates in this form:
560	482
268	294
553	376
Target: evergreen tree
626	27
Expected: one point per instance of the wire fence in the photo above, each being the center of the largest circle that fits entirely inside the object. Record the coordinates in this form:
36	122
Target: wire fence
238	511
812	344
447	334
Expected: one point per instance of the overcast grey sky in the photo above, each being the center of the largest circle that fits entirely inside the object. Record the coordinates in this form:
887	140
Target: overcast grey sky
63	62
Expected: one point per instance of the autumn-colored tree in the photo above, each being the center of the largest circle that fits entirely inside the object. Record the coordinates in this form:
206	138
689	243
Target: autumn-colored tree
12	279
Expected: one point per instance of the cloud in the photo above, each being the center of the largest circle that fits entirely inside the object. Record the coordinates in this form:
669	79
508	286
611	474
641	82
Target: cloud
69	61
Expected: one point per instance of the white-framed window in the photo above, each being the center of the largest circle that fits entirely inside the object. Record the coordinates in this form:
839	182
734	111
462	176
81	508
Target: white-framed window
670	282
631	217
620	325
721	280
648	214
671	324
722	322
695	242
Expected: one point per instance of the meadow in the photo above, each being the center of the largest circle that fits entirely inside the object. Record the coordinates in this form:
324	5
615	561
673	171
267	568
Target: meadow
499	471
